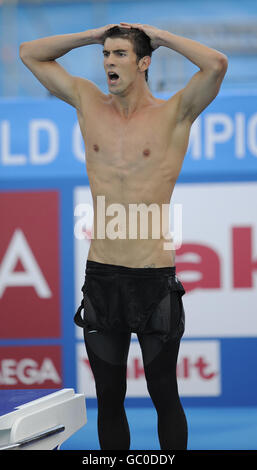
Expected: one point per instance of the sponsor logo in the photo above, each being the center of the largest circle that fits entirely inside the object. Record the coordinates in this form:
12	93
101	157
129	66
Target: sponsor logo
30	367
198	370
217	262
29	265
207	263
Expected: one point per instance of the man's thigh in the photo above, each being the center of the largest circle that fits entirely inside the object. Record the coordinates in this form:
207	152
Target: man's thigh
110	347
166	329
159	355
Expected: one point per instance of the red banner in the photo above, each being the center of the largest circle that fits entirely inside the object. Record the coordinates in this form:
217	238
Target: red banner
29	265
26	367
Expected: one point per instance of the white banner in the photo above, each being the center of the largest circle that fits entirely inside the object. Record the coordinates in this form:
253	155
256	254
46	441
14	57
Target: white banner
218	259
198	370
218	264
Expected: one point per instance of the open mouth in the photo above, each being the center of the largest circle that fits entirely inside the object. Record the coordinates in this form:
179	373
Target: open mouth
113	77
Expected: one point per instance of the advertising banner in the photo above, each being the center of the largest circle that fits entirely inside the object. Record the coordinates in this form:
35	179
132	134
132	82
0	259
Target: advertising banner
25	367
45	238
217	265
40	138
29	269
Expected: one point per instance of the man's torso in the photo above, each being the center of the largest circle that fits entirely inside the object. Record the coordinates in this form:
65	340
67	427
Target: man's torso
132	161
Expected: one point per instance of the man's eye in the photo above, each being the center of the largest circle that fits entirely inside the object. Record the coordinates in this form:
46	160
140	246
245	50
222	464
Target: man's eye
106	54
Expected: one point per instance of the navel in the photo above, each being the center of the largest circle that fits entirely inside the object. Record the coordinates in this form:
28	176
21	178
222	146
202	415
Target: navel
96	148
146	152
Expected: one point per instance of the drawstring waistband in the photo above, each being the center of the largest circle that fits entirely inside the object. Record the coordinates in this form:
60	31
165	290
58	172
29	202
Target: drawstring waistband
96	267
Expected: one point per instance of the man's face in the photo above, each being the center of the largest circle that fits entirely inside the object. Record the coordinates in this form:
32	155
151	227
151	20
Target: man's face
119	59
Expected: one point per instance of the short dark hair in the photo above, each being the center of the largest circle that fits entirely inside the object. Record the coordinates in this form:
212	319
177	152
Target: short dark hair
141	42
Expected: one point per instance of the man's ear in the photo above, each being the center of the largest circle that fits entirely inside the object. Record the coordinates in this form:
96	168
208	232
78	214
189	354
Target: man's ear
144	63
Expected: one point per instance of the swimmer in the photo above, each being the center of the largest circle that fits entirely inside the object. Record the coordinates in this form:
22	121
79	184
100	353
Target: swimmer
135	147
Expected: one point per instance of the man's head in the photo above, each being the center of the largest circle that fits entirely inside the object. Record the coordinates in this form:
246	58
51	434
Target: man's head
136	44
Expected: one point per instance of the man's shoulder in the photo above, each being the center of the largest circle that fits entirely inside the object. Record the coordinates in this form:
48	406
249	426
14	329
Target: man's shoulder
89	89
172	104
171	100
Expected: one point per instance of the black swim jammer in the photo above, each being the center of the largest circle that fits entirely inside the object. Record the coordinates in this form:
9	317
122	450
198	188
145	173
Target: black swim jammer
138	300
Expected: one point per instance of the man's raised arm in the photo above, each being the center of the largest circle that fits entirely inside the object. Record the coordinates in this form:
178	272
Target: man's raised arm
40	57
205	84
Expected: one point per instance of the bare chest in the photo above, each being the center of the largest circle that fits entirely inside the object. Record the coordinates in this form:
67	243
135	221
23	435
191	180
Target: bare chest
133	144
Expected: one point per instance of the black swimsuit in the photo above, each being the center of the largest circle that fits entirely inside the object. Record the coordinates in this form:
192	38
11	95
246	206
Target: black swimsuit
118	301
138	300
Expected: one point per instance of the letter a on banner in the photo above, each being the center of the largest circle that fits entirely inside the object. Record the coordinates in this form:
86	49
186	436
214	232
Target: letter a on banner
19	250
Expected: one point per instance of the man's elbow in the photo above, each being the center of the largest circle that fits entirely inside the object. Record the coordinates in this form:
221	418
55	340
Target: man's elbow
23	50
220	64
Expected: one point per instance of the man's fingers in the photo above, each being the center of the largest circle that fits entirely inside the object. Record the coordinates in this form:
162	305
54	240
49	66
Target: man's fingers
126	25
131	25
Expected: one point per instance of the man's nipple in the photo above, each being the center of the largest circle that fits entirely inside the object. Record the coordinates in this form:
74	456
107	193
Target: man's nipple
146	153
96	148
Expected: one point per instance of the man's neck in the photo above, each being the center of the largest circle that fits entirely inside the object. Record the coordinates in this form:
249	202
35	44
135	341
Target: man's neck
132	101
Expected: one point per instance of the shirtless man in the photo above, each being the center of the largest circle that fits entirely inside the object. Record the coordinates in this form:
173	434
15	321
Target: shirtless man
135	146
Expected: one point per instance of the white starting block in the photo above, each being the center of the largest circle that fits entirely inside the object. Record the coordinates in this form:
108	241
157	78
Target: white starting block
41	424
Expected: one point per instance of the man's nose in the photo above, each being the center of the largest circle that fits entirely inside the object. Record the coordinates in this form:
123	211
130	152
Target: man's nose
110	60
